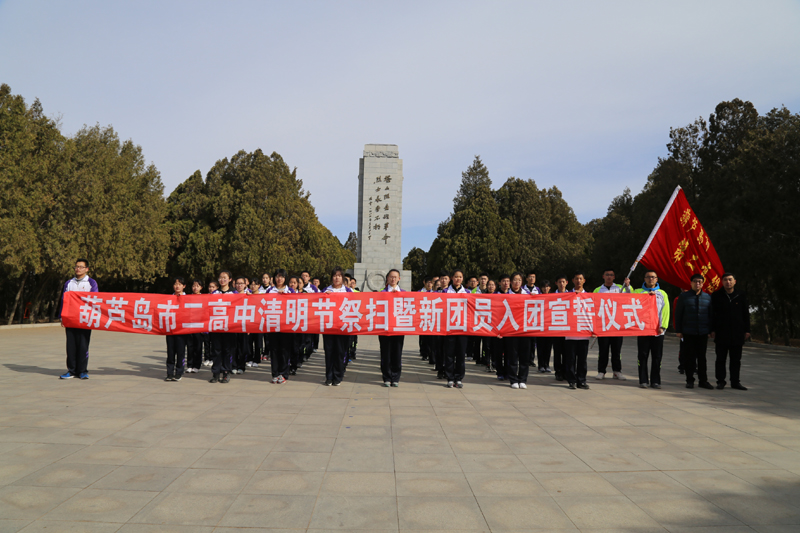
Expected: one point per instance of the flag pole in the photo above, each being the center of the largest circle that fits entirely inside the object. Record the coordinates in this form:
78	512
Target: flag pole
655	230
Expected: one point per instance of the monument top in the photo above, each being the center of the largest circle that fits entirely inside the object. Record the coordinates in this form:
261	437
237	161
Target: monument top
381	150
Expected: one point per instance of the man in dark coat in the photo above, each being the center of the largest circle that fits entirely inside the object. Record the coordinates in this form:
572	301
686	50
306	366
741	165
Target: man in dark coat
731	329
694	324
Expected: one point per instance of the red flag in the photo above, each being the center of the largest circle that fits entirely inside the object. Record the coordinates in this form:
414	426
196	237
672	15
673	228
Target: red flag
679	247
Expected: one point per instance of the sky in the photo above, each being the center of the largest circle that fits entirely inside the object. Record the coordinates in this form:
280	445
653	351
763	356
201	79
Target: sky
577	95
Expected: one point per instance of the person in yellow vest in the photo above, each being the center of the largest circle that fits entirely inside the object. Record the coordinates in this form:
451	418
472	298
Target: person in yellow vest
652	345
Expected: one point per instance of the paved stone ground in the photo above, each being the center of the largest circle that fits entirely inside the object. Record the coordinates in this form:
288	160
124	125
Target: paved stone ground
125	451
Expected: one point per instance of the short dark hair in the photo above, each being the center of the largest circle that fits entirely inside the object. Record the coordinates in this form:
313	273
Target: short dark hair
518	273
305	272
195	280
393	270
483	274
352	278
228	272
545	283
473	277
337	270
562	276
84	261
503	276
578	273
444	273
241	278
697	276
609	270
726	274
427	279
653	271
179	279
530	272
280	272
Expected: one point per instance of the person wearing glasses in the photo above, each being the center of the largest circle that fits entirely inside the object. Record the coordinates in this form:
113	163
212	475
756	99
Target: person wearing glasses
652	346
77	338
694	323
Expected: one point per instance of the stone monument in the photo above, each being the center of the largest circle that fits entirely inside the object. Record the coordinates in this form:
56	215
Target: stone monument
380	209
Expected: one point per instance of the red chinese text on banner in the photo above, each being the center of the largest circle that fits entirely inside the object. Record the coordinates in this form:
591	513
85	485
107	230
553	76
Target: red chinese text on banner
404	313
679	247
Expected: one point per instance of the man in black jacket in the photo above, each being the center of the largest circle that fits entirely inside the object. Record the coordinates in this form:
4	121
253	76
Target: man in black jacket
731	329
694	324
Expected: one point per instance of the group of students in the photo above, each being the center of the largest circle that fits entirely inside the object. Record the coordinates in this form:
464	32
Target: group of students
512	357
232	353
723	317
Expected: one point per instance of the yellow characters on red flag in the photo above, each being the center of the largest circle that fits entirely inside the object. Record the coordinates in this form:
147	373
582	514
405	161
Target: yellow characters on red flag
679	247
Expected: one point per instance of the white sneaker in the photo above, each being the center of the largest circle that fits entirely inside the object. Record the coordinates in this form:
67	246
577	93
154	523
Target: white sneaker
619	376
255	365
274	380
248	364
515	385
600	375
549	370
523	386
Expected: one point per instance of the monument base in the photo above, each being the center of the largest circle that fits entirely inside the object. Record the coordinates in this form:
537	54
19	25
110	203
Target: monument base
372	277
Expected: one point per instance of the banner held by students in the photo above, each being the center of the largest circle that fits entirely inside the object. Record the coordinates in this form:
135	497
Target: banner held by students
679	247
405	313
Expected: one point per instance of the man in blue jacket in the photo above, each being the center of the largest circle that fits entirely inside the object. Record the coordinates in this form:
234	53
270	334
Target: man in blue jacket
694	324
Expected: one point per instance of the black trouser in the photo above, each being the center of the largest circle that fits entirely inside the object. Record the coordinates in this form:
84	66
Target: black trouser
543	346
455	352
306	345
474	347
176	352
280	346
518	358
694	357
391	357
498	356
575	354
532	353
242	351
437	351
335	353
297	351
558	355
614	344
208	354
315	341
256	347
736	362
194	350
650	346
680	355
78	350
223	346
423	346
351	353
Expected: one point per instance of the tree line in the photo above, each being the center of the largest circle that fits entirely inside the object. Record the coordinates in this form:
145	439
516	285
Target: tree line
739	170
92	195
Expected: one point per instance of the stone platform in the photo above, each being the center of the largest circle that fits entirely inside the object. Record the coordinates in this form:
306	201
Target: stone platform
125	451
